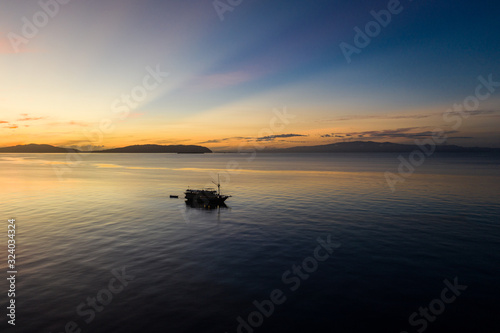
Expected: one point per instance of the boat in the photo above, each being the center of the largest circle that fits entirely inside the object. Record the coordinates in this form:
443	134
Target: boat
173	196
206	196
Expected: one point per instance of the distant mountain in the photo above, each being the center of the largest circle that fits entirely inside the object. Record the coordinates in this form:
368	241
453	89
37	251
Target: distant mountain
374	147
341	147
34	148
180	149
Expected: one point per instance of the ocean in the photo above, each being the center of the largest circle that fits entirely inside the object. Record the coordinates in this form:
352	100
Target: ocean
307	243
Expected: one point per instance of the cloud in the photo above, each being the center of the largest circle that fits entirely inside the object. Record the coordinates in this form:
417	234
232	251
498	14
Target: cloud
364	117
412	116
212	141
171	141
253	139
78	123
226	139
71	123
8	124
474	112
332	135
400	133
272	137
29	118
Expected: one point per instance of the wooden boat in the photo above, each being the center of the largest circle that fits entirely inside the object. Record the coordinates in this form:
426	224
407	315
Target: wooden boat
207	196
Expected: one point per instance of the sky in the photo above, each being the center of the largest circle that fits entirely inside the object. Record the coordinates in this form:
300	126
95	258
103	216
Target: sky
230	73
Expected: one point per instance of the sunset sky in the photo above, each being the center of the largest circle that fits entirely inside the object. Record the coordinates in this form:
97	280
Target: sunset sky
69	72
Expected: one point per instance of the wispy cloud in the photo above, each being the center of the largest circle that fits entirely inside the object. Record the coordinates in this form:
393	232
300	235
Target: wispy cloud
273	137
26	117
332	135
212	141
364	117
475	112
171	141
254	139
8	124
30	118
71	123
78	123
410	116
227	139
400	133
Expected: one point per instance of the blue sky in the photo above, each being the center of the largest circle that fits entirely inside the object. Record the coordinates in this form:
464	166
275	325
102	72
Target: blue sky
226	76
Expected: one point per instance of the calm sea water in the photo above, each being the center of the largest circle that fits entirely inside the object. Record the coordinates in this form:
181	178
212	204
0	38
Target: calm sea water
194	270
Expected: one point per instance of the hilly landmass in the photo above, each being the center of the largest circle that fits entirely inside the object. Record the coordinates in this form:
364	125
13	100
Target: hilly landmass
374	147
341	147
34	148
180	149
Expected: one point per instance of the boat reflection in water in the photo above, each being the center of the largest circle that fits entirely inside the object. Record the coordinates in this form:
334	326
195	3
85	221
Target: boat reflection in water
201	205
198	211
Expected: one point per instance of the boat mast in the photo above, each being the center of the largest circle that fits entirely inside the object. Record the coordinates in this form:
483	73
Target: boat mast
218	183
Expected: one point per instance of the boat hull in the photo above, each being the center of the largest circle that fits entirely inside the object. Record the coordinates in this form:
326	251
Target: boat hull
205	197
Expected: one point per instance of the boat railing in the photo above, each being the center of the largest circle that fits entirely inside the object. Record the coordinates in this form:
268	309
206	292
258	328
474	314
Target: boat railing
202	190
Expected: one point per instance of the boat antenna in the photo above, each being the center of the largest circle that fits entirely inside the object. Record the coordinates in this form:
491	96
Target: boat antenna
218	183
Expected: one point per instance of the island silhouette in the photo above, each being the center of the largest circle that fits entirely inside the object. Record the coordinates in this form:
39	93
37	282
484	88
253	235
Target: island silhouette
173	149
340	147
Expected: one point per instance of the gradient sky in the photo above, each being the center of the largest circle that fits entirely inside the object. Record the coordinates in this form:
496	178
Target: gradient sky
62	85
